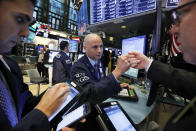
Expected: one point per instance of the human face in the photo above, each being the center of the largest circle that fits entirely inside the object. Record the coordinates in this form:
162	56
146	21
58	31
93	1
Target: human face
15	17
185	31
94	48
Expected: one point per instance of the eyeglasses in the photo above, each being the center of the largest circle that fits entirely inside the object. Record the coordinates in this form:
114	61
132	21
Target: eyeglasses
175	13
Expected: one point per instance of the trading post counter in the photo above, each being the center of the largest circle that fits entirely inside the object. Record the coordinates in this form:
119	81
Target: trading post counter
138	110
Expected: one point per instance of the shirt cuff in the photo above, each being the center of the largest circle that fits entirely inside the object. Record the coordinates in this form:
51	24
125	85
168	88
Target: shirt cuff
115	78
148	66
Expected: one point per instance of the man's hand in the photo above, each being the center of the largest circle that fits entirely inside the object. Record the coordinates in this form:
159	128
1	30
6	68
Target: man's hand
53	98
138	60
122	66
124	85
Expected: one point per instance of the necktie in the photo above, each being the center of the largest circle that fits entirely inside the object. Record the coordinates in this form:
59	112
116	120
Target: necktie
7	112
96	66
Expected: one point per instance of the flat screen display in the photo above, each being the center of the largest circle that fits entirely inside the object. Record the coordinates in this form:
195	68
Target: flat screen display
172	3
30	38
118	119
73	46
102	10
82	18
133	44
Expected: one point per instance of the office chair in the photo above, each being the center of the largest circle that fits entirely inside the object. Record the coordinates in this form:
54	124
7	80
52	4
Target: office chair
35	78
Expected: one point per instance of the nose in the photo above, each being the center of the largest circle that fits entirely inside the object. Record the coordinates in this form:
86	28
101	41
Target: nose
99	49
24	32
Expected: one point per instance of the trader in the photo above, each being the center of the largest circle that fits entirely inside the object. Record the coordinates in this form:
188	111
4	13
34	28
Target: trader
89	72
181	81
61	64
19	109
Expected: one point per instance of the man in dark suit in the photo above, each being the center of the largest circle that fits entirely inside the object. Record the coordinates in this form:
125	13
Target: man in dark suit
19	109
182	81
61	64
89	73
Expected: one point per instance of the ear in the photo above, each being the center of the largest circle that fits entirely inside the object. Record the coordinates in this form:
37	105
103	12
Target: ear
84	47
180	46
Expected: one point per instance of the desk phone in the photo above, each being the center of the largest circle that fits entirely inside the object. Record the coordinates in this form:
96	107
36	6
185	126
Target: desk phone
127	93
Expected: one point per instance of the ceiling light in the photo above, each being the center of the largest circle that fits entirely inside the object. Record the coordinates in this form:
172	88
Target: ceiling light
123	26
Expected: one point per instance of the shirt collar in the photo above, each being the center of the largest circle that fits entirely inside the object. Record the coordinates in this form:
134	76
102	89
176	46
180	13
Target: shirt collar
93	62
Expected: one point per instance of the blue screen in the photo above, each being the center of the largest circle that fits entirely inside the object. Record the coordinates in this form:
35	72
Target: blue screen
30	38
102	10
172	3
118	119
73	46
133	44
82	18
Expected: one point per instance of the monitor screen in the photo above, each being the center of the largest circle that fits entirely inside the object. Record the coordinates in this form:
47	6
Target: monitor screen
172	3
102	10
30	38
73	46
118	119
39	47
133	44
52	55
82	18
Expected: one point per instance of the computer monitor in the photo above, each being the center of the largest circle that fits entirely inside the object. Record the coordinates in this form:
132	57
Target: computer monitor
133	44
73	46
30	38
52	55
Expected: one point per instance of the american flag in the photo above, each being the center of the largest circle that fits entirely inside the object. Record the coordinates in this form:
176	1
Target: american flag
174	45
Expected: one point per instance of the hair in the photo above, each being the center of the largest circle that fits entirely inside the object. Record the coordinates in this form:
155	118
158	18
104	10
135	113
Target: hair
63	44
34	2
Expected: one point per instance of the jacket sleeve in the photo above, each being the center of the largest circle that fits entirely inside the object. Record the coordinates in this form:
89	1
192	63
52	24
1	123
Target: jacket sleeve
33	121
95	92
181	81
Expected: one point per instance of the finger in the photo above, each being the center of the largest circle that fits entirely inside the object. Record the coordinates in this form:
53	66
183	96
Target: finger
132	60
83	120
68	129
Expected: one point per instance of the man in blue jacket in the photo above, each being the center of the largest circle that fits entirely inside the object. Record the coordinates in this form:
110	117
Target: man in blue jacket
61	64
89	73
19	109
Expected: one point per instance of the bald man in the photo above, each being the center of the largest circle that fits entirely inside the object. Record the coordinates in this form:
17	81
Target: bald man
89	72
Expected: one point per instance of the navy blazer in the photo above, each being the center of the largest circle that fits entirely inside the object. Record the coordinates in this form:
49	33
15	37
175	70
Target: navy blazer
96	90
61	67
29	118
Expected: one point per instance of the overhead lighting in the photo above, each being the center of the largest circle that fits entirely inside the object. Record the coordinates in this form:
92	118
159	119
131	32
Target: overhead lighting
111	38
123	26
